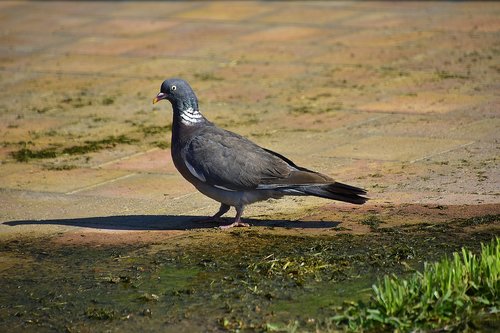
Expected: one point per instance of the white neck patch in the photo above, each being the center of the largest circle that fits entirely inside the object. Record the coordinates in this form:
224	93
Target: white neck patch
191	116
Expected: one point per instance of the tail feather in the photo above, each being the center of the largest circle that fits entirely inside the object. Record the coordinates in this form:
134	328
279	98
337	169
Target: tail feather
335	191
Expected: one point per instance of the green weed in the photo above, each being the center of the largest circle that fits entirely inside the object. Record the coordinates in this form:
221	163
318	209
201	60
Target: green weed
373	222
448	75
107	100
25	154
154	130
446	294
96	145
100	313
478	220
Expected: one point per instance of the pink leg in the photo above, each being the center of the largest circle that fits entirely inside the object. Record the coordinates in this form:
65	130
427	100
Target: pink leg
237	220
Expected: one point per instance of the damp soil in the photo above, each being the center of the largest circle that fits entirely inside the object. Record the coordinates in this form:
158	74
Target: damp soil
248	279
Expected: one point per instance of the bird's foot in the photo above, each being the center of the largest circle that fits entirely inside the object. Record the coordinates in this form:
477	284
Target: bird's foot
234	224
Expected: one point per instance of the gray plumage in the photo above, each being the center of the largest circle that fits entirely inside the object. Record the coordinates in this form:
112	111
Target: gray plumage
233	170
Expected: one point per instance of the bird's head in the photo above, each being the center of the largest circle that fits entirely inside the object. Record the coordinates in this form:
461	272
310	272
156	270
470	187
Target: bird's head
179	93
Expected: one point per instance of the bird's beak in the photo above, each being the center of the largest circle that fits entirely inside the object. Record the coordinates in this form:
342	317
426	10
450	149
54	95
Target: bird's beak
159	97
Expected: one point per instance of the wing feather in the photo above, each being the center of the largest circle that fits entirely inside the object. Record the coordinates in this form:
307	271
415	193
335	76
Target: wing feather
225	159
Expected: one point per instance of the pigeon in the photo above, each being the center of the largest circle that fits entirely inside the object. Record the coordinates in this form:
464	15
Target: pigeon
233	170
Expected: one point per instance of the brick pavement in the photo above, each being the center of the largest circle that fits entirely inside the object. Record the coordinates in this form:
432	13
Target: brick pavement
400	98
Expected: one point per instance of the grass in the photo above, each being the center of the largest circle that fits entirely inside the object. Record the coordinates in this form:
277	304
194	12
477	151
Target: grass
60	167
100	313
107	100
309	109
447	294
297	268
154	130
162	144
25	154
448	75
478	220
372	221
96	145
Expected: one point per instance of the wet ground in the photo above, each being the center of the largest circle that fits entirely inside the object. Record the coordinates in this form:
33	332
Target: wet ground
97	228
267	277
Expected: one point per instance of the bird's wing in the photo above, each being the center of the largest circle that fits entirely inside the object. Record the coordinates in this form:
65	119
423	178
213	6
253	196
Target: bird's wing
227	160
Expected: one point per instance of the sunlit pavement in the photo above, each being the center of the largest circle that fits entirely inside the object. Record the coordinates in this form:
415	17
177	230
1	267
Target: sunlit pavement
398	98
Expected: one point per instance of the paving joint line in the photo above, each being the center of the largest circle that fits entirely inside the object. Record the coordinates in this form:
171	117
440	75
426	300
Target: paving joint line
100	184
125	158
183	196
442	152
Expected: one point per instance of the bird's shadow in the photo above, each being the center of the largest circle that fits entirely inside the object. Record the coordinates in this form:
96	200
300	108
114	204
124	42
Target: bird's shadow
166	222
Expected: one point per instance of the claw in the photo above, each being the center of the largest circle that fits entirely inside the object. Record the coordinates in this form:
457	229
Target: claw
234	224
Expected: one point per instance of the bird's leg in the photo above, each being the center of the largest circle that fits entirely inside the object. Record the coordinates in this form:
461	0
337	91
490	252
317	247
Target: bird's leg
222	210
216	217
237	220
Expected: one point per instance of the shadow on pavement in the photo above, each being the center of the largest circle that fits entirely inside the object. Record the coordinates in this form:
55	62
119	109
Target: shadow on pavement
166	222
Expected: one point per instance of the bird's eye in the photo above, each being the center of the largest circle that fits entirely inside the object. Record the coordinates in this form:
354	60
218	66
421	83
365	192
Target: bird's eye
173	88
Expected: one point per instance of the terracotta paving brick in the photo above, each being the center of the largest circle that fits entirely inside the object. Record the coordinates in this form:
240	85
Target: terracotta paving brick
40	180
143	186
339	54
93	45
424	102
271	52
396	148
468	22
484	129
220	11
13	44
155	161
275	73
320	14
79	63
192	39
381	38
149	9
155	67
282	34
121	27
379	19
